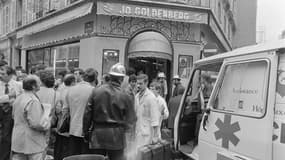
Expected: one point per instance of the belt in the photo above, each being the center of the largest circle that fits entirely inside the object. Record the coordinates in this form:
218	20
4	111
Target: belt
108	125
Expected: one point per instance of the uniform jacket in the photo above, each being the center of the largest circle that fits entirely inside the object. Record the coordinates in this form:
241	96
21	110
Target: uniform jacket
28	137
111	112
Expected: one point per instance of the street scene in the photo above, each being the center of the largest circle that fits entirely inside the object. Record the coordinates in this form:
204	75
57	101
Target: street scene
142	80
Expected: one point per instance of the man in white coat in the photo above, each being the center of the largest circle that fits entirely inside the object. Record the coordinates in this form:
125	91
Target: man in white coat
148	114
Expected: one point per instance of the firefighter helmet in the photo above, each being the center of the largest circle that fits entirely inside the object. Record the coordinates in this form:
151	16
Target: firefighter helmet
118	70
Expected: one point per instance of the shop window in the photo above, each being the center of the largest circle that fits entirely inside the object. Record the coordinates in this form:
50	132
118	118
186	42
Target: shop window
243	89
110	57
36	57
185	63
66	56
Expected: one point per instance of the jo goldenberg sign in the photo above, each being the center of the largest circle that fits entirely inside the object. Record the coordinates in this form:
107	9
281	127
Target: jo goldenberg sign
131	10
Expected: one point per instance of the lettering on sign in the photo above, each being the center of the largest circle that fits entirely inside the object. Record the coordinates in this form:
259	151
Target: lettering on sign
279	112
245	91
256	108
142	11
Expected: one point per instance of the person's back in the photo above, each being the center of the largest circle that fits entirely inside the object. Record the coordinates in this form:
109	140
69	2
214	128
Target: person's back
76	100
173	105
108	114
108	110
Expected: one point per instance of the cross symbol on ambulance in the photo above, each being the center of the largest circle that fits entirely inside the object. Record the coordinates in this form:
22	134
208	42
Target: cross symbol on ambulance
226	131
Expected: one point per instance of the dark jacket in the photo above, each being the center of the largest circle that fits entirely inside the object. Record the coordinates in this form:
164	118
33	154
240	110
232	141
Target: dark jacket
176	89
173	106
108	115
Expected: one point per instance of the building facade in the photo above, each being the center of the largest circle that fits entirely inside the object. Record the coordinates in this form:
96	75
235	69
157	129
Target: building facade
148	35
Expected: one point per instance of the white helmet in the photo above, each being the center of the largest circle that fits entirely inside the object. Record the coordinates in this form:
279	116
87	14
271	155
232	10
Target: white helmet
161	75
176	77
118	70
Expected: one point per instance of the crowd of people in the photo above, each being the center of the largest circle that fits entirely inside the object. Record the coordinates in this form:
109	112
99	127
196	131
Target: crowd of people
43	115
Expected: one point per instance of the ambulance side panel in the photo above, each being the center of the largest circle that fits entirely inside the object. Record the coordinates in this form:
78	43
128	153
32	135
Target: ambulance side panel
239	126
279	120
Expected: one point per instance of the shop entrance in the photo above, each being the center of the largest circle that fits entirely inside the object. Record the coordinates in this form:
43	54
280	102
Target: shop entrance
150	66
150	52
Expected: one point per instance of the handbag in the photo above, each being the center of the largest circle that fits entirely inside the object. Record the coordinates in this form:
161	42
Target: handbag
64	123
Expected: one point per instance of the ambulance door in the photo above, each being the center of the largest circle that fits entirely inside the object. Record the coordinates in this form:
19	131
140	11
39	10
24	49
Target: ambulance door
279	119
239	123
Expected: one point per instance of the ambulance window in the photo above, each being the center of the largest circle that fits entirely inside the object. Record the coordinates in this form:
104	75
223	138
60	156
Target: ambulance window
202	83
243	89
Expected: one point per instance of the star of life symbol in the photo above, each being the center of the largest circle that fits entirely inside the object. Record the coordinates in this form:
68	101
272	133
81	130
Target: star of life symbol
226	131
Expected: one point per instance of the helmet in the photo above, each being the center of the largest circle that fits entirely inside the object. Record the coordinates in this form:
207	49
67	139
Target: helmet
161	75
118	70
176	77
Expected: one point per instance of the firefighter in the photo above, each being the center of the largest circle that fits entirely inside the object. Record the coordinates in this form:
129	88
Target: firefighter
108	116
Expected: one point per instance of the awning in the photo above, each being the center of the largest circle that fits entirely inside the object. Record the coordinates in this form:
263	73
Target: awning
150	44
147	54
52	21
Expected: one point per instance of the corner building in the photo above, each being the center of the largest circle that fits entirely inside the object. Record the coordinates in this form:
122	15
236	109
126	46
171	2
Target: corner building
148	35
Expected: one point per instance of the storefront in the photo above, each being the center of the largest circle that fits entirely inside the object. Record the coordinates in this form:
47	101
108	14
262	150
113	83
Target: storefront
148	37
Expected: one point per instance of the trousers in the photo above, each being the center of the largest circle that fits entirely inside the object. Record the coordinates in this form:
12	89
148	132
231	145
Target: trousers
6	127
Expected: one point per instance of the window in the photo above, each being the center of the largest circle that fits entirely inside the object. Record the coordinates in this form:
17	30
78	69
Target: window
6	19
1	20
35	9
185	63
110	57
200	87
67	56
243	89
219	12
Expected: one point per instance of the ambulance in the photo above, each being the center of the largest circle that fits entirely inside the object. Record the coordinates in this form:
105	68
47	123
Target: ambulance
234	106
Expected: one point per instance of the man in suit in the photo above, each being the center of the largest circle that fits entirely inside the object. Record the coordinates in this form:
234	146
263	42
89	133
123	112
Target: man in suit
177	85
75	103
9	89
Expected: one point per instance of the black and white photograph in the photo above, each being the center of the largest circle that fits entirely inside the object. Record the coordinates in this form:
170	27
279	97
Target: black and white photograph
142	80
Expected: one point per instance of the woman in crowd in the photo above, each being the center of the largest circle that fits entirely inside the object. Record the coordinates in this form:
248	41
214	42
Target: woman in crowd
29	131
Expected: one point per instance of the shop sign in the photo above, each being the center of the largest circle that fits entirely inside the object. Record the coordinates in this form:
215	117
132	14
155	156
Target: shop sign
131	10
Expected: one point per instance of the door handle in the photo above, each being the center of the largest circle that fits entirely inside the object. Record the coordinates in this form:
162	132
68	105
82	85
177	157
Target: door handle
205	120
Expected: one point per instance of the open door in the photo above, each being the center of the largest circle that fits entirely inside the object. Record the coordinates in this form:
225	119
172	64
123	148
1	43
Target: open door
240	122
192	107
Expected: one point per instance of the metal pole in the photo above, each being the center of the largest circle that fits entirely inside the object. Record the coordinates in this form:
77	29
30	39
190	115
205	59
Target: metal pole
54	62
